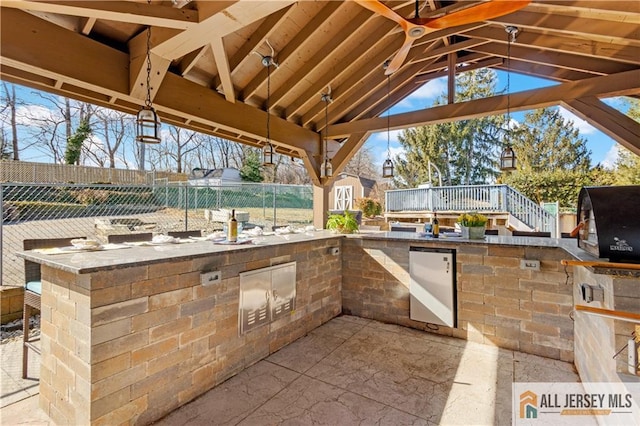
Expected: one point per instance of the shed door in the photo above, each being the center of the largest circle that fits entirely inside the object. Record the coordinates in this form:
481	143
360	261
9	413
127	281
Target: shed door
344	197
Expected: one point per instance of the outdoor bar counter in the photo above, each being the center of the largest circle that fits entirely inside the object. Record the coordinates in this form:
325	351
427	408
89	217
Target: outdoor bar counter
129	335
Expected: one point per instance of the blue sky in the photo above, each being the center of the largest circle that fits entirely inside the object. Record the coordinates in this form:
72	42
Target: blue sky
603	148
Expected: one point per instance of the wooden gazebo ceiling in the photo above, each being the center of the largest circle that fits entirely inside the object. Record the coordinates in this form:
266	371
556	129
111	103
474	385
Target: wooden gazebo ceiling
207	78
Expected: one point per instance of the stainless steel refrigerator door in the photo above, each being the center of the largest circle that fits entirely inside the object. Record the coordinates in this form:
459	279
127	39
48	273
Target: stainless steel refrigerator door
432	286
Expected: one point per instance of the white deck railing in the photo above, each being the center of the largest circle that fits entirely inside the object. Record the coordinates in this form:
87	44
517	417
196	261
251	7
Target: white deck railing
481	198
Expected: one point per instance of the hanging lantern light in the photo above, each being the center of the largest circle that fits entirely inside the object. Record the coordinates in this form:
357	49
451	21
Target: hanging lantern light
508	156
326	169
387	166
268	150
147	121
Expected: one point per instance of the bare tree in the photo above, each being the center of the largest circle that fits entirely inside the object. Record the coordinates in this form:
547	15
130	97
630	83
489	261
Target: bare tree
114	128
362	164
171	153
10	102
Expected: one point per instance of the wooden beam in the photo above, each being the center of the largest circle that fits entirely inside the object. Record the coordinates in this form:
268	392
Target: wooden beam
620	127
190	59
224	72
487	63
451	77
625	83
617	11
119	11
544	71
32	45
88	25
217	19
138	68
346	152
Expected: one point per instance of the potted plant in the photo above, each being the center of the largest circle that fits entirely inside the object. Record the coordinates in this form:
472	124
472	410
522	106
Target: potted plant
472	225
345	223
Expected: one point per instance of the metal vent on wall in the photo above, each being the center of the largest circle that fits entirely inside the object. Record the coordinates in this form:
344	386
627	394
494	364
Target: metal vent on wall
266	295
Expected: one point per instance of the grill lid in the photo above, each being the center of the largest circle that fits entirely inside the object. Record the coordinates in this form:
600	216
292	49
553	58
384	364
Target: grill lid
611	222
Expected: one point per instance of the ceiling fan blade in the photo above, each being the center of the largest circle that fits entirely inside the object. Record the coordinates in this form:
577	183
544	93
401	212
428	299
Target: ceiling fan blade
381	9
401	55
481	12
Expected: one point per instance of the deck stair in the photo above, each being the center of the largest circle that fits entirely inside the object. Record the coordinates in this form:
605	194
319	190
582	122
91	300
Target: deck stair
501	203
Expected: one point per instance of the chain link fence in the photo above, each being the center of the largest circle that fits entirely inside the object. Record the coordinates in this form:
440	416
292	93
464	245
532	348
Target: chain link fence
97	211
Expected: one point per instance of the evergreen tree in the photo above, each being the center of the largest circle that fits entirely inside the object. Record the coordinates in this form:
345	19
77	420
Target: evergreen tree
464	151
552	159
250	170
627	170
545	141
75	141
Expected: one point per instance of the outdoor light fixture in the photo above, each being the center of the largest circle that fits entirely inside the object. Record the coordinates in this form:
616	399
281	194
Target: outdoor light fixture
147	121
508	157
387	166
326	169
267	149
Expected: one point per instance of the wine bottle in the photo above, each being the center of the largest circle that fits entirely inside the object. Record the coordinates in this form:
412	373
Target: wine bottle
232	228
435	226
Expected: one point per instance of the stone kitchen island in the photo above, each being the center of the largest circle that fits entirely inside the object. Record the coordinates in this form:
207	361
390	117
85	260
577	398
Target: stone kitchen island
129	335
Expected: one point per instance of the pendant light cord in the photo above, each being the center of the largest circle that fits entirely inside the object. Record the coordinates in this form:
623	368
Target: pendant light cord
326	126
509	80
388	118
268	96
148	100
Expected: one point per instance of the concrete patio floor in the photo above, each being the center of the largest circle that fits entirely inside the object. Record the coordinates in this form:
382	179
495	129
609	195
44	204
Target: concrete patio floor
358	371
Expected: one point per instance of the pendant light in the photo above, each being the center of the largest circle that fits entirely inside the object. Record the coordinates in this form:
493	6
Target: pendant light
147	121
387	166
508	157
326	169
267	150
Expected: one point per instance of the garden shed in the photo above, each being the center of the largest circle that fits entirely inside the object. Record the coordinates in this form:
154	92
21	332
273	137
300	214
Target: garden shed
347	188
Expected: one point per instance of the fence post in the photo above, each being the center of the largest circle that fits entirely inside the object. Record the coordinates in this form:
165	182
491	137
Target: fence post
186	208
274	206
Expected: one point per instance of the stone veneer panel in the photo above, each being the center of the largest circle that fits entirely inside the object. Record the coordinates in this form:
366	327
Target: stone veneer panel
498	303
127	346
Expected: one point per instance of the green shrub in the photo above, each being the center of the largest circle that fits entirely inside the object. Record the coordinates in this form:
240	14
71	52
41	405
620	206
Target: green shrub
369	206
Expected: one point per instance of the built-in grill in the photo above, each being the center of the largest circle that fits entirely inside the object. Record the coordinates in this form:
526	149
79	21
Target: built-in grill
609	217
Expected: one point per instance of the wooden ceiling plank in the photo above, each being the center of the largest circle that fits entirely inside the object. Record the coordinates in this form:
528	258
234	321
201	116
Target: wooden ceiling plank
538	56
343	67
138	68
232	18
120	11
618	126
562	44
617	11
605	86
591	29
290	49
258	37
224	72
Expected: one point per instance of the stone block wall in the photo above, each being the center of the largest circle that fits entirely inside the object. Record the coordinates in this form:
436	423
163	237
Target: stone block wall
158	339
497	302
12	300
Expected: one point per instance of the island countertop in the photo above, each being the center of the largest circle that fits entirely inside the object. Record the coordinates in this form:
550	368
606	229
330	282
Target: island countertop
92	261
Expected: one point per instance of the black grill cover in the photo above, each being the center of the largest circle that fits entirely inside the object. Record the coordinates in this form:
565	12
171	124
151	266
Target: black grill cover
611	218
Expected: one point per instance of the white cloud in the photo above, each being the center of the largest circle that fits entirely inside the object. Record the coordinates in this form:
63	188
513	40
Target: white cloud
382	136
28	115
397	151
611	157
580	124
